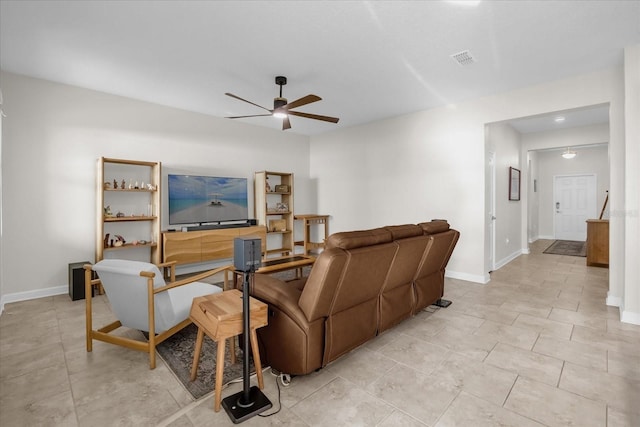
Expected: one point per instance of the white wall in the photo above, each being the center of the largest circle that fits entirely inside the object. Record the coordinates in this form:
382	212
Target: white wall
52	136
504	140
407	169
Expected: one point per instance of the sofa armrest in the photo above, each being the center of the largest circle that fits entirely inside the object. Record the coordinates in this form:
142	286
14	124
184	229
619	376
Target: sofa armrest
283	295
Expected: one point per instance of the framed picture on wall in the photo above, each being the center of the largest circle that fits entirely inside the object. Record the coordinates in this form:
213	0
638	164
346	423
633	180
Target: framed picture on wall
514	184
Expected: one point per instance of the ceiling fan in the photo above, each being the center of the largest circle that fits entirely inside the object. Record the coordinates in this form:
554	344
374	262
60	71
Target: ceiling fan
283	109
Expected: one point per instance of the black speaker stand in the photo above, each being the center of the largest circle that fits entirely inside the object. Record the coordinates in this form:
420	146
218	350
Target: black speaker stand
250	401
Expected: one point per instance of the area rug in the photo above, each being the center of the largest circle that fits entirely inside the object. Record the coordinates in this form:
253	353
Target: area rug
567	247
177	352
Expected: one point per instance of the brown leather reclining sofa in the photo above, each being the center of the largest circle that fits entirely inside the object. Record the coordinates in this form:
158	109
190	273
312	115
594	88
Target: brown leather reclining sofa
363	283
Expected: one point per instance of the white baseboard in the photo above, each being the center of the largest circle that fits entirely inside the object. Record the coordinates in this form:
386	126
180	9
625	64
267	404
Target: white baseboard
28	295
467	277
632	317
613	301
546	238
508	259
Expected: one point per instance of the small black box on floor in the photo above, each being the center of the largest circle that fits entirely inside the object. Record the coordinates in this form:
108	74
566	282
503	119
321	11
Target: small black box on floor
76	280
246	253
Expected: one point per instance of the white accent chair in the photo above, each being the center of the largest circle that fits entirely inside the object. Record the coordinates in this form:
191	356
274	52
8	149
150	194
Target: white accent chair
141	299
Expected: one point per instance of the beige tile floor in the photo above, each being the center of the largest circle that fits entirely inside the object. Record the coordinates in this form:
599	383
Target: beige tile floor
537	346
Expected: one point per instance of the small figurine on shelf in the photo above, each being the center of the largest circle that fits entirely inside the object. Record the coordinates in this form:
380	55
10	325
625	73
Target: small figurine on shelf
107	185
106	240
151	187
130	185
119	215
107	212
268	187
122	184
115	184
119	241
136	187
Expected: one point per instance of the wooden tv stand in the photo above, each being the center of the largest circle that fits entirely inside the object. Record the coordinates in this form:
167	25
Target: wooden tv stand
186	247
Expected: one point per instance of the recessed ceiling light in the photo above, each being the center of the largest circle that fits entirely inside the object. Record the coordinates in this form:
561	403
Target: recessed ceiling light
559	119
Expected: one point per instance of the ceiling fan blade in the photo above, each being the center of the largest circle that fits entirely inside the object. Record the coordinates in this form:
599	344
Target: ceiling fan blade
314	116
242	117
249	102
302	101
286	124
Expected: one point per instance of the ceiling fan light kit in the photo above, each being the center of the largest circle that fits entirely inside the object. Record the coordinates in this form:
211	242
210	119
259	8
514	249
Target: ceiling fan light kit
283	109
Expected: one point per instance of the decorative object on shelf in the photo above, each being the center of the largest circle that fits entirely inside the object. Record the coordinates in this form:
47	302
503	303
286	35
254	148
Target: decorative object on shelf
107	212
151	187
514	184
119	241
106	240
282	188
122	185
120	215
107	185
115	184
282	207
267	186
277	225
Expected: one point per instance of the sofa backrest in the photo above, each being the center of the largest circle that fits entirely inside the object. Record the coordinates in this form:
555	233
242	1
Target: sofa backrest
397	296
352	314
429	280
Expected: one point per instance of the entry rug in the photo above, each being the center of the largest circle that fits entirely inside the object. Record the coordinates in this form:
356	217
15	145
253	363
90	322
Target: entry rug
567	247
177	352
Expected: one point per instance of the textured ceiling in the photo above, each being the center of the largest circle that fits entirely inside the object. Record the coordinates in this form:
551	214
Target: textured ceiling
368	60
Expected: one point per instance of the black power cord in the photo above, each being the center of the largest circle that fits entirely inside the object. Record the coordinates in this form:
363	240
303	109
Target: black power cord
279	402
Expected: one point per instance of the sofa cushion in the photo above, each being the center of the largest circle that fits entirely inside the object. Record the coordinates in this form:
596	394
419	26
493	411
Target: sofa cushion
404	231
435	226
358	239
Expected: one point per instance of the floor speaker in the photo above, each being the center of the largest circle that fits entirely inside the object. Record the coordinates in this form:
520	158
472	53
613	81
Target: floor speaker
76	280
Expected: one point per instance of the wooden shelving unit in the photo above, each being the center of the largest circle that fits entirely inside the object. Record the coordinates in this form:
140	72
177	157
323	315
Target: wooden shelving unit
273	196
135	212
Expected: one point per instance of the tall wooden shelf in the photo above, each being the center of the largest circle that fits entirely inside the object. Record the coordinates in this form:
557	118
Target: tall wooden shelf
273	196
139	208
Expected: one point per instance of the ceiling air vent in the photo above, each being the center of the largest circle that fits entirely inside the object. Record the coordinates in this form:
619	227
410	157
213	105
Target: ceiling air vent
463	58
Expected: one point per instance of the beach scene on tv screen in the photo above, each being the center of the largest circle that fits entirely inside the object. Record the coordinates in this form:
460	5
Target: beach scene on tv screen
204	199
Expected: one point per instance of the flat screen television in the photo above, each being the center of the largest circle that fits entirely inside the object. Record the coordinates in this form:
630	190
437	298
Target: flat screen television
197	199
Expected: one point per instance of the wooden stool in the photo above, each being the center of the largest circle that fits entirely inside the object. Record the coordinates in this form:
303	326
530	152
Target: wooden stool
220	317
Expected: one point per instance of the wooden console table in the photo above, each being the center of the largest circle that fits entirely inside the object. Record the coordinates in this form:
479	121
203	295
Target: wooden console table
309	220
598	242
206	245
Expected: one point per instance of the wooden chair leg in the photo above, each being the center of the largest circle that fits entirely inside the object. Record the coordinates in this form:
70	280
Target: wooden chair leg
219	374
256	357
196	354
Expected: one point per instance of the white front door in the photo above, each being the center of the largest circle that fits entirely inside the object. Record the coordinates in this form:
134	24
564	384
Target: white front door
574	203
